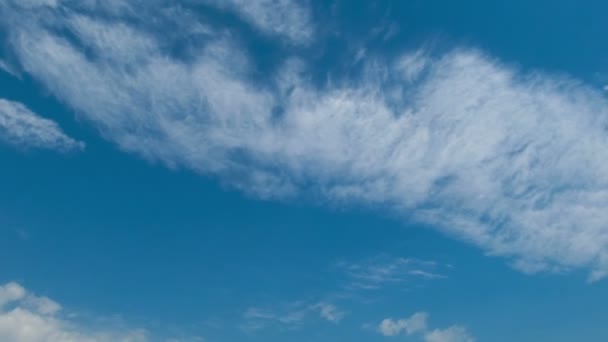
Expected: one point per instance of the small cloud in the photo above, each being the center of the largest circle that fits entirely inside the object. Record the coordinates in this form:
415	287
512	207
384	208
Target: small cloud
11	292
9	69
291	315
329	312
425	274
381	271
360	55
288	317
452	334
23	128
417	325
256	313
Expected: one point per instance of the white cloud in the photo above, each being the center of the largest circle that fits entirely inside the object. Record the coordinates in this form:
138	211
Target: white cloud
287	18
291	315
417	325
11	292
329	312
6	67
25	317
20	127
451	334
412	65
380	271
42	305
514	163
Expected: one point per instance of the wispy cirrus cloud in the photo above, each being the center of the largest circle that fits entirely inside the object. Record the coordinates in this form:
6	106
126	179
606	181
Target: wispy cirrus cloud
511	162
6	67
381	271
23	128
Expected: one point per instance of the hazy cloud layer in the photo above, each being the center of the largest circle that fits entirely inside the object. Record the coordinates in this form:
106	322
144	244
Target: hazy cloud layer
514	163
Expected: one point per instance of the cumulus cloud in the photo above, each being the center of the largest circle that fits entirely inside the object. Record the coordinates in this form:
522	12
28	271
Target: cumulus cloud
417	325
25	317
412	325
512	162
11	292
451	334
23	128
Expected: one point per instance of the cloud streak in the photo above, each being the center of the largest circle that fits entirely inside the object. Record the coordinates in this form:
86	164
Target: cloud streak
290	316
382	271
512	162
23	128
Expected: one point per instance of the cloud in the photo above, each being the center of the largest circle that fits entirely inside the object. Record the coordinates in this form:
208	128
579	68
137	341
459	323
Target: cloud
34	3
290	19
11	292
329	312
381	271
25	317
412	325
410	66
6	67
291	315
22	128
512	162
451	334
417	325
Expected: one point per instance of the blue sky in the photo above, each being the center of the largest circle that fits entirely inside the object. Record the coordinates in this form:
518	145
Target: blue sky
231	170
